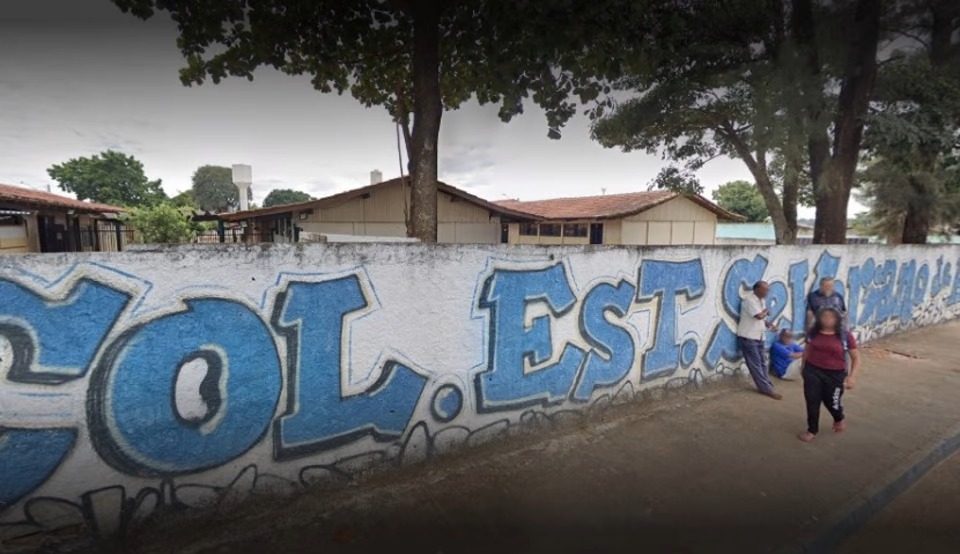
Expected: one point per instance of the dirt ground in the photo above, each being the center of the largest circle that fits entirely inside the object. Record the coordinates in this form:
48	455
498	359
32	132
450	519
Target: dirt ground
720	471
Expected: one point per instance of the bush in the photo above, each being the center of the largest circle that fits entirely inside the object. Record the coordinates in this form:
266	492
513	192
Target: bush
163	223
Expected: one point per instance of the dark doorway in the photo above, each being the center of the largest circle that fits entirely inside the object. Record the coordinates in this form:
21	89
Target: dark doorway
504	234
596	233
53	236
73	236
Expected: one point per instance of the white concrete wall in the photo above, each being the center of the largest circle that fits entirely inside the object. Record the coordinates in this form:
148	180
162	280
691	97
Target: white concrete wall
197	376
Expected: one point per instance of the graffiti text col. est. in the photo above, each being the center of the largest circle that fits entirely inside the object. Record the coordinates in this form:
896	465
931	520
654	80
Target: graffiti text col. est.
207	377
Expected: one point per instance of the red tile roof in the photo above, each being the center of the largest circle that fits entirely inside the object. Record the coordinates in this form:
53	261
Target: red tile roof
608	206
343	197
41	199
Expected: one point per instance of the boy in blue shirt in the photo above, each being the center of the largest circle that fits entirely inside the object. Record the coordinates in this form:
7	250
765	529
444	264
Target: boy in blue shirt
786	356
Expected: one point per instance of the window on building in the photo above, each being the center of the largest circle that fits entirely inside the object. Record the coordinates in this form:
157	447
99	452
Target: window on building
528	229
550	229
574	229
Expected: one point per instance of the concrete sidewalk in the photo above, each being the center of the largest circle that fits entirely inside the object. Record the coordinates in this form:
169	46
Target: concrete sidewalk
720	473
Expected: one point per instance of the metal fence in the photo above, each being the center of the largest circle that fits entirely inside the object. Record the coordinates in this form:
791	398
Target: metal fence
104	240
116	240
235	236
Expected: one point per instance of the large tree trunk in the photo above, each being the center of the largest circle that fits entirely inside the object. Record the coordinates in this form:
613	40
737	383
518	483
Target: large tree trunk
813	120
916	222
784	232
836	183
427	112
791	195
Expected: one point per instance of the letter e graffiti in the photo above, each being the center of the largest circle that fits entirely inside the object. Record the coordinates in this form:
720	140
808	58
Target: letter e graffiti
505	384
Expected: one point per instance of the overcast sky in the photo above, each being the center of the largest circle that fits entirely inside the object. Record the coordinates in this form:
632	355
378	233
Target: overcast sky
79	76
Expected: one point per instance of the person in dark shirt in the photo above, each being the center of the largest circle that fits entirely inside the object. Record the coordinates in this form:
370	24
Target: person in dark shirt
825	374
786	356
824	297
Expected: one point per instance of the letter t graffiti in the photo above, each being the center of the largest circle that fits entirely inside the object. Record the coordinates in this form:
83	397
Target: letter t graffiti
667	280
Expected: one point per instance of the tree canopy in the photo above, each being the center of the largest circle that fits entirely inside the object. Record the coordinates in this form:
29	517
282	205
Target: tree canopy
677	180
184	200
743	198
110	178
213	189
782	86
912	176
285	196
418	58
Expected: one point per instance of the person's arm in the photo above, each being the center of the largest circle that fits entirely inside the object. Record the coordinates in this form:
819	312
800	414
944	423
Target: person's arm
851	379
796	355
754	308
797	352
791	351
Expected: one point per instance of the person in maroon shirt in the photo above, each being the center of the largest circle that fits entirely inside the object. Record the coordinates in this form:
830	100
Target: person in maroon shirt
825	373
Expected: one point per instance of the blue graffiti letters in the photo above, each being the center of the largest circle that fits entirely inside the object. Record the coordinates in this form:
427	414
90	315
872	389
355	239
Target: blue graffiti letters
28	458
506	384
47	343
742	274
612	355
798	288
136	424
311	318
667	280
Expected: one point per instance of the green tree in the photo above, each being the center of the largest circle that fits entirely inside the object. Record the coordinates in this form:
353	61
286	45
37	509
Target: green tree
214	191
741	197
913	136
782	86
161	224
184	200
677	180
412	57
285	196
109	178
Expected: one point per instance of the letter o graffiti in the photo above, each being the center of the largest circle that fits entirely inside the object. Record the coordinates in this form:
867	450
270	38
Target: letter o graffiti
132	412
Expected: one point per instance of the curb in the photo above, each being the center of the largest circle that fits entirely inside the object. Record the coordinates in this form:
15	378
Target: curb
844	522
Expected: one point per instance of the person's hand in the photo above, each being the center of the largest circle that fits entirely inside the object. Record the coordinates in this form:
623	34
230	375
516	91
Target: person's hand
770	326
849	382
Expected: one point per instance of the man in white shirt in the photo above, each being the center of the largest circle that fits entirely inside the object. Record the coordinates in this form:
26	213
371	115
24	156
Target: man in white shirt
751	329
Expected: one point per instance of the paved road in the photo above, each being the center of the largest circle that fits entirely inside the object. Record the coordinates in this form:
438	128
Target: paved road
698	474
926	519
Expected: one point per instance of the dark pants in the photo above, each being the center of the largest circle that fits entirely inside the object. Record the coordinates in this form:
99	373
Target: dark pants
753	352
822	386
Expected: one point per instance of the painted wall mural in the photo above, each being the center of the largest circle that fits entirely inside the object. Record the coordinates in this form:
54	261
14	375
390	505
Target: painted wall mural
193	377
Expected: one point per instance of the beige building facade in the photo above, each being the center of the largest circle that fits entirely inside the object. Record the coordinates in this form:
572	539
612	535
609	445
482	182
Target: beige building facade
654	218
39	221
380	210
